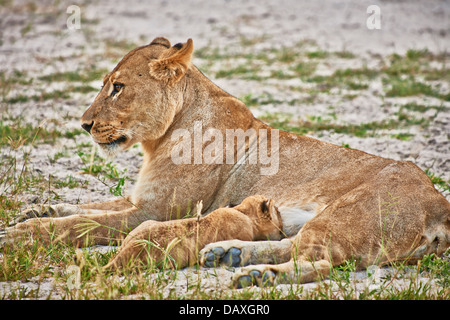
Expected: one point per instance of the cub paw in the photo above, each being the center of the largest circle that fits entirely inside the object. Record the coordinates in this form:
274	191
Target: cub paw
217	256
225	253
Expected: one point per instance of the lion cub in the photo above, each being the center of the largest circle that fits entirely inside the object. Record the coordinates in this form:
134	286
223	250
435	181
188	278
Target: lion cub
176	243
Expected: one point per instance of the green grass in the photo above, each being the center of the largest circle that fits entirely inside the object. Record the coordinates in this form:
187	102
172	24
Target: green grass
344	54
70	182
44	96
417	63
14	77
402	75
304	69
52	95
317	124
319	54
26	134
17	133
75	76
244	71
413	106
359	73
31	261
15	180
264	99
26	262
438	181
351	79
408	75
105	171
398	87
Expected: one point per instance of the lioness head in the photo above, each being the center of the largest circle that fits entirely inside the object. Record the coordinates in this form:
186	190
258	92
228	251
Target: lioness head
140	96
265	216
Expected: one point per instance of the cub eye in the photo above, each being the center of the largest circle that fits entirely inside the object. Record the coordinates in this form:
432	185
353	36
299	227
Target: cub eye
116	88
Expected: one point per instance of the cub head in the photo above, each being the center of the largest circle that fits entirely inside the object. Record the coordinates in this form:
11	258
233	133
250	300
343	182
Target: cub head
140	96
265	216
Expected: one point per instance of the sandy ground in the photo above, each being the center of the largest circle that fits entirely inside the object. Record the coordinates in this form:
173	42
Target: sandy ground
35	40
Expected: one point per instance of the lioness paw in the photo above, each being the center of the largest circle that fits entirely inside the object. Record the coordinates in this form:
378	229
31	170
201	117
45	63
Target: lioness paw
2	237
254	275
11	234
40	229
35	212
53	211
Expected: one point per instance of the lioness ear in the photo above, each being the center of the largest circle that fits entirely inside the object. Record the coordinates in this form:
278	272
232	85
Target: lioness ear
162	41
173	63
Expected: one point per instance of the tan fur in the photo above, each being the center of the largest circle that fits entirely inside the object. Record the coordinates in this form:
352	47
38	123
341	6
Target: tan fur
362	206
176	243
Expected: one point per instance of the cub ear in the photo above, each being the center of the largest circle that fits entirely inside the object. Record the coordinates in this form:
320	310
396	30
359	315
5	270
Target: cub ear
265	209
173	64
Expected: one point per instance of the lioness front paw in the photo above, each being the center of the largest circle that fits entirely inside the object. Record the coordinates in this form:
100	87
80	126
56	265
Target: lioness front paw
254	275
27	230
224	253
35	212
10	235
2	237
53	211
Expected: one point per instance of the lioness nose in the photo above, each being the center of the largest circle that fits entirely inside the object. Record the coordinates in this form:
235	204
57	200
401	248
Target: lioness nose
87	126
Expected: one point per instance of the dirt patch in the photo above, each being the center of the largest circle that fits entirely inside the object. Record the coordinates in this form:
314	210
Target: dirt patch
297	64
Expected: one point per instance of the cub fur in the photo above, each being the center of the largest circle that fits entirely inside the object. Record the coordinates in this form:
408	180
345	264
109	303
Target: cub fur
176	243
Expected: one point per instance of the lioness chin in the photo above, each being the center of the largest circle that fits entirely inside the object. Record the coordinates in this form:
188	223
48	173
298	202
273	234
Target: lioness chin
336	203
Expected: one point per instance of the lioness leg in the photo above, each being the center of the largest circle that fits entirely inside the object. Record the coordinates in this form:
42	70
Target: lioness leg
237	253
119	204
376	223
310	261
65	209
102	228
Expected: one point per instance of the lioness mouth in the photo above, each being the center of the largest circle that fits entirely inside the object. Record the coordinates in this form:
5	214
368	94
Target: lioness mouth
115	142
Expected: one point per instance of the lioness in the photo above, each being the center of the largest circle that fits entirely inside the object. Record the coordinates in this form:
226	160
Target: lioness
176	243
338	203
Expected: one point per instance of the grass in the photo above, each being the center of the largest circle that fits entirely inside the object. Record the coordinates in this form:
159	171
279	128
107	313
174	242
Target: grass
417	63
75	76
77	81
402	75
319	54
78	274
70	182
398	87
16	132
45	95
417	73
439	182
314	125
244	71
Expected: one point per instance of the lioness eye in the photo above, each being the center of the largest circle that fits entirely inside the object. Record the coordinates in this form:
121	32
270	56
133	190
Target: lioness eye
116	88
